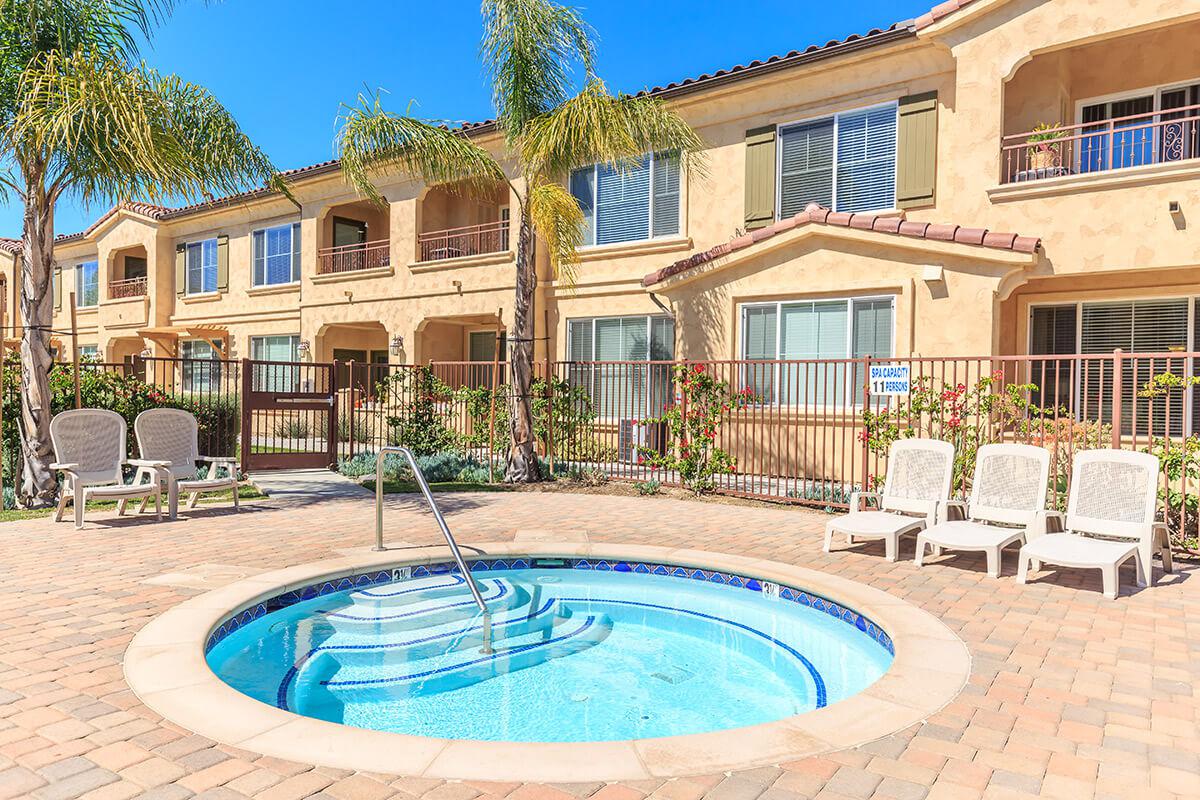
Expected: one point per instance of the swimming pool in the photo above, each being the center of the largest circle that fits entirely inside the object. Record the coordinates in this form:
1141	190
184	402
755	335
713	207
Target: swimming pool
581	650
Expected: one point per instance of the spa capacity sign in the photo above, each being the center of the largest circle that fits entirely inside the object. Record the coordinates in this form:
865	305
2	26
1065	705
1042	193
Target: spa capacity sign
890	380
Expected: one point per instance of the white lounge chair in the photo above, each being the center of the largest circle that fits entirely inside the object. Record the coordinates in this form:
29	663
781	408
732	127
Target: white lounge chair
89	449
1008	498
918	481
171	435
1110	519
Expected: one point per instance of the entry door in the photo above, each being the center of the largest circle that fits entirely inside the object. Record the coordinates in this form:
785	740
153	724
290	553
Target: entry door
342	356
348	232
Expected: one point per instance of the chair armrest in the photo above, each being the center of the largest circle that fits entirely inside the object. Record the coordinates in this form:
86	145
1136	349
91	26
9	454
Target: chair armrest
856	499
218	459
942	514
1045	521
145	462
65	467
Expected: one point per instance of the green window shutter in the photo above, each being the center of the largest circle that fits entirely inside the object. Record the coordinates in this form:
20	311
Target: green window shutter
57	288
222	263
760	177
916	156
180	269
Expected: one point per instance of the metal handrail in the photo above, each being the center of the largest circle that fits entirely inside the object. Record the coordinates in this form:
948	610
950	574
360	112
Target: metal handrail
437	514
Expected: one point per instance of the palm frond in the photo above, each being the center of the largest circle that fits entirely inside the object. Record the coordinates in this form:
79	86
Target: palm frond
531	50
557	218
373	139
114	131
596	127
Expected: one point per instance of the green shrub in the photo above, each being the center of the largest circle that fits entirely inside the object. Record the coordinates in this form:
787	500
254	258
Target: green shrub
293	428
648	488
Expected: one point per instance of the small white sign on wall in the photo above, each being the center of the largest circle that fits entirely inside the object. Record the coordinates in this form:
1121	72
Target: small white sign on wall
890	380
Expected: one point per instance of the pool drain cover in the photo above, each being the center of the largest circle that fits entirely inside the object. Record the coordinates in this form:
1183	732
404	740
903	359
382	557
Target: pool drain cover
673	675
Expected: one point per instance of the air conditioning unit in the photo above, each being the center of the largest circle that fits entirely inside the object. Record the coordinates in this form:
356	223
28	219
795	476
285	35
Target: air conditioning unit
633	438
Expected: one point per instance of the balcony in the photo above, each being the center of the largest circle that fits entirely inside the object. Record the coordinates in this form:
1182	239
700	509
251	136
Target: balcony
470	240
1160	137
353	257
128	287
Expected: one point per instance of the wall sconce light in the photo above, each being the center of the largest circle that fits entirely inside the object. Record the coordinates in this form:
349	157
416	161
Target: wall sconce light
933	273
1174	208
397	345
303	349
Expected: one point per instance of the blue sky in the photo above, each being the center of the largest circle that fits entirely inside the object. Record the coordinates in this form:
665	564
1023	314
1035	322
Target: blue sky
283	67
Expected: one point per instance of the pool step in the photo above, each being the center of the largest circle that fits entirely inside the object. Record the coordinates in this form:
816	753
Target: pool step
376	617
391	673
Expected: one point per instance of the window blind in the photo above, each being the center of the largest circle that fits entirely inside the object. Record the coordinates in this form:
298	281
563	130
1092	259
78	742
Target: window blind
866	160
87	284
760	330
202	266
813	331
806	166
583	187
274	255
666	195
623	202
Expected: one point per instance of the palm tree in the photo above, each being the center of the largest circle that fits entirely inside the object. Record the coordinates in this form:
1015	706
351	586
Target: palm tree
81	116
532	51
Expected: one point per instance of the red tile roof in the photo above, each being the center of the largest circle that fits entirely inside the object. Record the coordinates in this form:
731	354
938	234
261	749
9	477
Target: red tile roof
794	58
10	245
818	215
937	12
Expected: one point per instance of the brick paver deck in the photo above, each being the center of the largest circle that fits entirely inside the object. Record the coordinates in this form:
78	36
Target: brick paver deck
1071	696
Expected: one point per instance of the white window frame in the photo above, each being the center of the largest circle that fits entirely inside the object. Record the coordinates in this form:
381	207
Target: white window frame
295	269
1156	90
650	212
649	329
187	282
849	357
1076	378
79	283
836	115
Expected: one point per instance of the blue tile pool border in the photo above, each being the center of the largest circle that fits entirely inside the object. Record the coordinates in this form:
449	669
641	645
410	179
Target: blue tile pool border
376	577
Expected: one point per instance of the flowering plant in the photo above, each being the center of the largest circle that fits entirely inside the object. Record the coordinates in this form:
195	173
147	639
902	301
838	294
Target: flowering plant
693	423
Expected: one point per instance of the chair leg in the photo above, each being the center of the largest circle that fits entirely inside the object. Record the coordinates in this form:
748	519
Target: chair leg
1109	577
993	562
1023	562
79	501
142	506
891	546
920	556
121	504
192	498
1164	549
1144	557
235	496
828	538
63	496
157	505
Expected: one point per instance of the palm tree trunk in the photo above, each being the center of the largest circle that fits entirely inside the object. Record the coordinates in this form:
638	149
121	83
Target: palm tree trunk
38	485
523	465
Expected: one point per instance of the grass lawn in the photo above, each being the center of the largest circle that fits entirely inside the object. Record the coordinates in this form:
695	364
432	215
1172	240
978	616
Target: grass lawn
245	492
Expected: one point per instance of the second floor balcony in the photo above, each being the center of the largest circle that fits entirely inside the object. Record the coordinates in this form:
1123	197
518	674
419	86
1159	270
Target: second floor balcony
469	240
353	257
127	287
1134	140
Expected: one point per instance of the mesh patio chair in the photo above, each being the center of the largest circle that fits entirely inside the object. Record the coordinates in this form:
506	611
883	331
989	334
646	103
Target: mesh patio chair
1007	505
917	483
171	435
89	449
1110	519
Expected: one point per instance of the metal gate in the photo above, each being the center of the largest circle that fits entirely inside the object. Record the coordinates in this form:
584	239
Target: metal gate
289	415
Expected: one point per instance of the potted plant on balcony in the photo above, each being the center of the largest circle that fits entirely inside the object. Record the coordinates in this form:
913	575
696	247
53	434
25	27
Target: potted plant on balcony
1045	151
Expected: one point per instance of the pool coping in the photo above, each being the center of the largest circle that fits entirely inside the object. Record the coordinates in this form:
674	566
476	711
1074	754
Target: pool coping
165	666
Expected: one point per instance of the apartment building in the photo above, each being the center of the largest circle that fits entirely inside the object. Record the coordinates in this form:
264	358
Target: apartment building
885	194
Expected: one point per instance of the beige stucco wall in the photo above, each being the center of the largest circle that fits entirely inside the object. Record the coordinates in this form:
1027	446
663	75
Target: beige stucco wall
998	66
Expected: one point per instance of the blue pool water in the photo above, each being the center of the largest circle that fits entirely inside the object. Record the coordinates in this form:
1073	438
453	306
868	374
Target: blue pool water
578	655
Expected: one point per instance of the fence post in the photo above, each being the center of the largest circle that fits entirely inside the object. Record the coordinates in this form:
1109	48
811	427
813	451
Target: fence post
683	415
334	434
1117	391
245	401
866	401
549	416
491	466
350	396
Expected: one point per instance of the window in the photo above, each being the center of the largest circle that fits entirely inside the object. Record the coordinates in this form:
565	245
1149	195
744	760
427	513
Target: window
1145	139
201	366
814	330
630	202
277	377
87	284
1159	325
201	262
89	352
135	267
623	390
277	255
845	162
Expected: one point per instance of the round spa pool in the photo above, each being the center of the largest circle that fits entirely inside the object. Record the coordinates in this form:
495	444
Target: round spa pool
581	650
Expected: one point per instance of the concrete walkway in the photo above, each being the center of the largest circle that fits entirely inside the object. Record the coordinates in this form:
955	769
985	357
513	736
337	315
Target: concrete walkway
307	485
